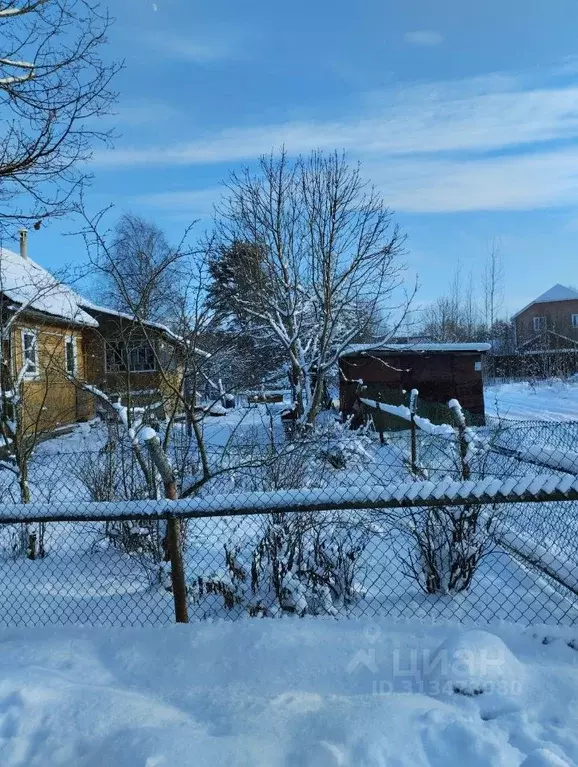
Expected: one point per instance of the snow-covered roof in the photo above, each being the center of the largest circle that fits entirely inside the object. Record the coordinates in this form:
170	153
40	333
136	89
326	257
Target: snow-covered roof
31	287
413	348
91	306
556	293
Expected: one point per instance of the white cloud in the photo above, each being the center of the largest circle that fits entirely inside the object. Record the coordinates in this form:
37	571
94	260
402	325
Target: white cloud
520	182
195	202
144	113
424	37
430	148
205	48
436	118
201	52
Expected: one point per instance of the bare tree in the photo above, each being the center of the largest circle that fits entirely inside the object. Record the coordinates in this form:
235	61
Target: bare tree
455	316
327	244
493	286
140	272
182	374
53	86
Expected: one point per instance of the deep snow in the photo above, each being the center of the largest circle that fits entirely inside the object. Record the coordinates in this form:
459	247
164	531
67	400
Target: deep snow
551	400
305	693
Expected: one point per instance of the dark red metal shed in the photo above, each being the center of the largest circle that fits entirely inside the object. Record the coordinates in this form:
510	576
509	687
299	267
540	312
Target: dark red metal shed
439	372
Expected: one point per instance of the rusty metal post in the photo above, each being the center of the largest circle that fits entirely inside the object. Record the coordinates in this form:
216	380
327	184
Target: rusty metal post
174	537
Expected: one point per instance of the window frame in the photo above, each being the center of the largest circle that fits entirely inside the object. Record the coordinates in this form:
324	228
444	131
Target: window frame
33	332
539	324
574	323
125	350
71	341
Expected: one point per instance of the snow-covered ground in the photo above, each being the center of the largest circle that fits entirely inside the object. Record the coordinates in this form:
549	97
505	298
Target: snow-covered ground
314	691
298	692
85	580
551	400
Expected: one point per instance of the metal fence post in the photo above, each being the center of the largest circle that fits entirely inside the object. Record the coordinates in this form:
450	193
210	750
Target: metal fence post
174	537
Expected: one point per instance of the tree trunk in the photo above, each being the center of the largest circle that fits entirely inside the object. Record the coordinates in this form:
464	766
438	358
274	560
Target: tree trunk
174	537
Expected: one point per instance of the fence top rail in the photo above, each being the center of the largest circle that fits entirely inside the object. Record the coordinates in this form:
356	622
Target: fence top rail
413	494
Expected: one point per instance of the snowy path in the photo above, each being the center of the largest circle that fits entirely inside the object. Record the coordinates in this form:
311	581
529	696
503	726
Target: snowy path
545	401
294	692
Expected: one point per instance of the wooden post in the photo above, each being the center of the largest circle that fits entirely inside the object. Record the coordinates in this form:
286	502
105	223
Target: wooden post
455	407
174	538
175	545
413	430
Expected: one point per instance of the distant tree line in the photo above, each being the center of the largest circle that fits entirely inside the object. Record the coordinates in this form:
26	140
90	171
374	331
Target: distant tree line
461	315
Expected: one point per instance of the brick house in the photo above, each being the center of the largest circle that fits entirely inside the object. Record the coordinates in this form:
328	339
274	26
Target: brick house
549	323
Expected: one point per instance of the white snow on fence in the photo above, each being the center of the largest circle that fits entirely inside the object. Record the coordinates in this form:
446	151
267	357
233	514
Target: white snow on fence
402	411
412	493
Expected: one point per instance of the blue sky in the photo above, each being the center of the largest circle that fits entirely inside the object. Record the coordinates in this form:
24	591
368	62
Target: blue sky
464	115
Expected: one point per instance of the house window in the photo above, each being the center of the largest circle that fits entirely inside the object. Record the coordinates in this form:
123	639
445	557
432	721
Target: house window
70	350
115	358
575	320
539	324
135	357
141	358
30	351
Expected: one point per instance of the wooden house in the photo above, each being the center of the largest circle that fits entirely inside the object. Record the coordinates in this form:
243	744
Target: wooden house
549	322
388	372
54	341
41	327
132	359
545	338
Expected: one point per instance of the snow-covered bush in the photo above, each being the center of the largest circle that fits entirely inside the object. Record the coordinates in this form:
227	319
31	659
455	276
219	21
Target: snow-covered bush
300	565
343	447
113	474
450	543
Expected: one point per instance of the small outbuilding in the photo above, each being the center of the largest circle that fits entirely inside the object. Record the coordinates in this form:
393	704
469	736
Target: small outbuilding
388	372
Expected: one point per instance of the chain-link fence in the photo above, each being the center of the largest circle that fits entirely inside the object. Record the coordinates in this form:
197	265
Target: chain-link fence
340	525
342	563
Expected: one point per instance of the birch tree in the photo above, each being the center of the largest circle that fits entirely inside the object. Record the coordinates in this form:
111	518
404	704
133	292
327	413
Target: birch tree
53	86
140	270
327	244
493	286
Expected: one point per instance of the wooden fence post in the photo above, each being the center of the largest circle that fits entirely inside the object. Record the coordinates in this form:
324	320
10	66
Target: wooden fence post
413	431
174	537
456	409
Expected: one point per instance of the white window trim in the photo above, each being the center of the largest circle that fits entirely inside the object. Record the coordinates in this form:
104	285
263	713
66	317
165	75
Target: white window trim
30	375
538	325
574	321
107	346
71	340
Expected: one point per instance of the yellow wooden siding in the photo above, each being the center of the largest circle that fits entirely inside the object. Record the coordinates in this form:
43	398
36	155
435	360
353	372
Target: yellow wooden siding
49	399
144	387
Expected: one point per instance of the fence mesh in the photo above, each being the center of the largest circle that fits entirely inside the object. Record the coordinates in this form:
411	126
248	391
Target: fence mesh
472	562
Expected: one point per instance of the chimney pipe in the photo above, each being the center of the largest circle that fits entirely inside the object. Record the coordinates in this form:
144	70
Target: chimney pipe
24	243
